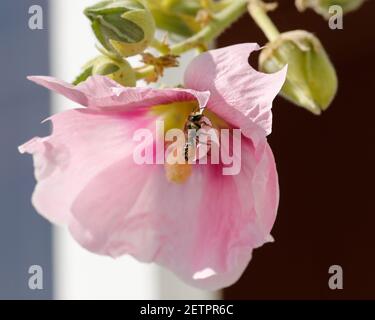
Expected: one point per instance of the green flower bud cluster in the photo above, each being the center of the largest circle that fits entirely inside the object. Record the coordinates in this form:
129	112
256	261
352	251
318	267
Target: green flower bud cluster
311	80
123	27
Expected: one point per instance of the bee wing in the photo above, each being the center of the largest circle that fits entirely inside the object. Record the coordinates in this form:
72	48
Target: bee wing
206	139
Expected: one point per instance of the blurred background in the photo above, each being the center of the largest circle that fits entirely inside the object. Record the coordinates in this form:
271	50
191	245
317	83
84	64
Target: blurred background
325	166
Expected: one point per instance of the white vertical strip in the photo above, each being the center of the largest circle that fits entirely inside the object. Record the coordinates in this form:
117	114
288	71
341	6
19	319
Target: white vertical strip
79	274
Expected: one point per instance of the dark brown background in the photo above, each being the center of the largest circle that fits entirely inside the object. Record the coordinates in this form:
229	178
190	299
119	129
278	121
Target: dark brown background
326	168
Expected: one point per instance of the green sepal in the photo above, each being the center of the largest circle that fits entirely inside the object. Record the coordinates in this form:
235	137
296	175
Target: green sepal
106	68
83	76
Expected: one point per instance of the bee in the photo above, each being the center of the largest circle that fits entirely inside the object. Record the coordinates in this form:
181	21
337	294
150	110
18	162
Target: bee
194	123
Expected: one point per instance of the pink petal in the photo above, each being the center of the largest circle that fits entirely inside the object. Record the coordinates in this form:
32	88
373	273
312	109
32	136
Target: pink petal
83	143
100	91
203	230
239	94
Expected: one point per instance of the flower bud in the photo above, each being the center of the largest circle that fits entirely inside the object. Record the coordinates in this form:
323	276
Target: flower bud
322	6
123	27
119	71
311	80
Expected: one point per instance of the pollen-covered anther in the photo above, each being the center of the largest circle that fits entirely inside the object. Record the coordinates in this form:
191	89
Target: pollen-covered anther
177	169
178	173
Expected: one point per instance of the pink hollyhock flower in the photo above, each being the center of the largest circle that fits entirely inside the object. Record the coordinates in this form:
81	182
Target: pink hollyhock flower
203	228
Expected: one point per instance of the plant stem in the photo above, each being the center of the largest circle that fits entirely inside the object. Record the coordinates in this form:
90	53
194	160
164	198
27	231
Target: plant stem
160	46
258	11
221	21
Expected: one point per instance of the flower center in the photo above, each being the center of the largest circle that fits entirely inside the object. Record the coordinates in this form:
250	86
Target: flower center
187	117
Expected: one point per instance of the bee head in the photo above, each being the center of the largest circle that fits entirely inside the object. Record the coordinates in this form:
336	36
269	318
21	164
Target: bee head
196	116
